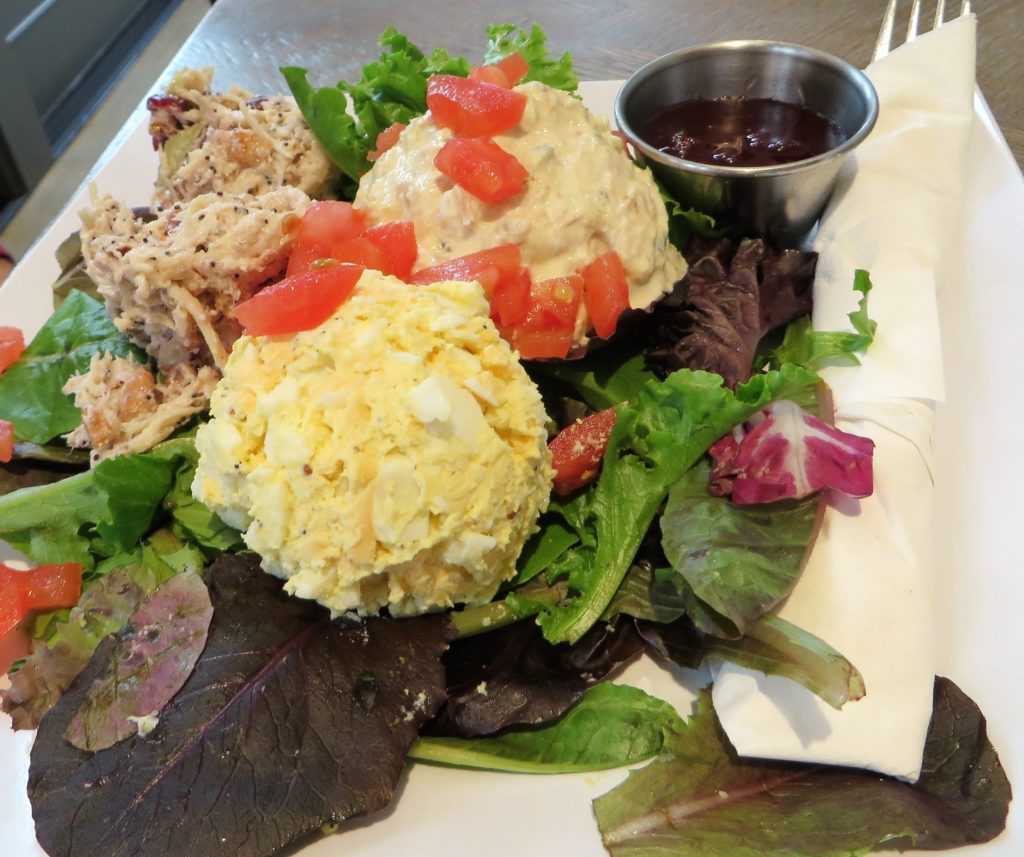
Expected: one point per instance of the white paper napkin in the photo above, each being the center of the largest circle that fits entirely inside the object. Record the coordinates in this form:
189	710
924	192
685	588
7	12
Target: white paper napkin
867	587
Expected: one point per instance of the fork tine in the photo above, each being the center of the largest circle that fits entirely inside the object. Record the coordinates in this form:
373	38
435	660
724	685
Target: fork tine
883	45
915	21
884	42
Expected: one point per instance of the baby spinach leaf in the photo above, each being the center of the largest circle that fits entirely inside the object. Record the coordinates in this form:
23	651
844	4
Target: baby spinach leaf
30	391
698	799
611	725
287	716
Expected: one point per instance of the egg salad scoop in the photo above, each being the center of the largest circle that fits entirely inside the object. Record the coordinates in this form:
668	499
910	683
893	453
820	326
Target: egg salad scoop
393	456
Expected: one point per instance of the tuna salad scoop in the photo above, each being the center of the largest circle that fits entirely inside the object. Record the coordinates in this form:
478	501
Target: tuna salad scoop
583	198
169	284
395	456
231	142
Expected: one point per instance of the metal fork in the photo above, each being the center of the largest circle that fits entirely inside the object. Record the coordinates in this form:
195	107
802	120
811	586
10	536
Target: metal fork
884	43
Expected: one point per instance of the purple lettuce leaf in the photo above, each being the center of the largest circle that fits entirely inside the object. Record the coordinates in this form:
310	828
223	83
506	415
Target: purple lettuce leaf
514	677
104	607
786	453
700	800
154	654
728	302
290	721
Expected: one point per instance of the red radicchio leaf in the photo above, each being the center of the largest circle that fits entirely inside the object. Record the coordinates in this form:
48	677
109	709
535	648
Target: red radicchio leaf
788	453
154	655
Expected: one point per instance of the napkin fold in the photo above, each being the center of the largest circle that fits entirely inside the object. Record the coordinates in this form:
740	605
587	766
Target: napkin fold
867	586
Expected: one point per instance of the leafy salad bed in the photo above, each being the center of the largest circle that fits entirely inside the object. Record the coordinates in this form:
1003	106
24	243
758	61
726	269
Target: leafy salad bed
284	721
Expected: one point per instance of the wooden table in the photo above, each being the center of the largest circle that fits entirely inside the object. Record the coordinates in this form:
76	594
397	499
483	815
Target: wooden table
246	40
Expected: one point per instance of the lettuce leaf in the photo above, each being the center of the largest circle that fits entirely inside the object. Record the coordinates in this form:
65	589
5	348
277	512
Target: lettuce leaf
505	39
393	89
698	799
30	391
92	516
611	725
815	349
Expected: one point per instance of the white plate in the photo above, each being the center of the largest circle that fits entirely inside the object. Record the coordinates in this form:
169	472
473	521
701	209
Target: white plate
979	583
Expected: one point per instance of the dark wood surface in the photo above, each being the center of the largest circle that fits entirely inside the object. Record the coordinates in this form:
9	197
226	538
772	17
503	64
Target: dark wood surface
246	40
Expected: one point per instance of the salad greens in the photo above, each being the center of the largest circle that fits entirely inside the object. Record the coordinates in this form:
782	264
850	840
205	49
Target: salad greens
287	715
103	513
698	799
610	726
644	558
658	436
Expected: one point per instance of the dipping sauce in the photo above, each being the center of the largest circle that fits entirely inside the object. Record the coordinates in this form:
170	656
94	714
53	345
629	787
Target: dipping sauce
741	132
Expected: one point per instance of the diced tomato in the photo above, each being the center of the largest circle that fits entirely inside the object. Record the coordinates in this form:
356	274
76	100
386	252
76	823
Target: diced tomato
605	292
324	225
360	251
550	323
481	167
488	267
534	343
578	449
473	108
556	302
510	301
514	67
6	441
297	303
386	139
45	588
397	239
490	74
12	343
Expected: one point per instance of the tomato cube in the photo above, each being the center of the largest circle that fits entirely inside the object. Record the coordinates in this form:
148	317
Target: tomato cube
473	108
324	225
535	343
555	303
578	449
386	139
605	292
510	301
490	74
481	167
514	66
487	267
397	239
297	303
360	251
45	588
6	441
12	343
